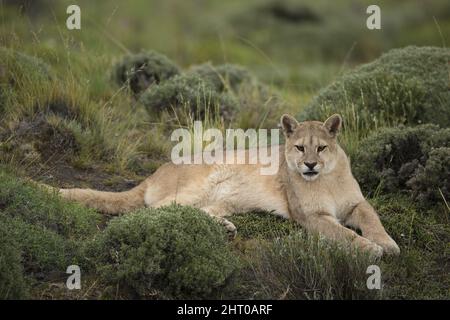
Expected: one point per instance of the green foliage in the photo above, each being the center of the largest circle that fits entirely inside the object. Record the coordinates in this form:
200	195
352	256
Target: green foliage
12	281
408	86
332	32
299	266
142	70
223	77
262	225
423	238
46	231
45	209
403	159
17	65
44	252
411	227
431	181
191	93
179	252
18	70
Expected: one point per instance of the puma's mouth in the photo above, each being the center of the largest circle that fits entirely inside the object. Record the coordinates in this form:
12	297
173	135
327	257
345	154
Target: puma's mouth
310	173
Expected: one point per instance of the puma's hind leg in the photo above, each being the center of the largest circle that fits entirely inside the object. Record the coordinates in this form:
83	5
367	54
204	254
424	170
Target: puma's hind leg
218	212
215	211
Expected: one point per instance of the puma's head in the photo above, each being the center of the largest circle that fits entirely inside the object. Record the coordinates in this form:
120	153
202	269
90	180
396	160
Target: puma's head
311	148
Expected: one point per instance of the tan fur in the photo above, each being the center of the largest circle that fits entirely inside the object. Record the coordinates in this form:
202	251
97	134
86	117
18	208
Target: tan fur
323	202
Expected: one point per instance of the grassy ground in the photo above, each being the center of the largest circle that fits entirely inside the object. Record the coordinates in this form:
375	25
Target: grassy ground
66	122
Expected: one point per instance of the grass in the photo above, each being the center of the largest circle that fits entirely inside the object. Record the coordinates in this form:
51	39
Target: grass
306	267
66	122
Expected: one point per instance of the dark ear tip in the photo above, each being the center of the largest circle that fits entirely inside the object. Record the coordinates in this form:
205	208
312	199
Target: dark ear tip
288	119
284	116
336	115
288	123
333	123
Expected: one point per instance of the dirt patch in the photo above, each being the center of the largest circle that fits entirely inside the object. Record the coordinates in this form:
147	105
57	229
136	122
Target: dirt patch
40	140
66	176
30	7
46	153
61	109
291	14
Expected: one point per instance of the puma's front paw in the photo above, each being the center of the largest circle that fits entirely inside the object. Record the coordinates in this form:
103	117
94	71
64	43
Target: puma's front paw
389	246
368	246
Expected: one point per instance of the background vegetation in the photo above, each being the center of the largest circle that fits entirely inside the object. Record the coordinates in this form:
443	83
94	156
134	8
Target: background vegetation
95	107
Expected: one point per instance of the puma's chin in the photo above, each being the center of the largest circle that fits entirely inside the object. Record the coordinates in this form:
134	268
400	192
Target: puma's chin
310	175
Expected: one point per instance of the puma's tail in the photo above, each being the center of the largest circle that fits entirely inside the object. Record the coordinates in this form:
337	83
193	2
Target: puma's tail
108	202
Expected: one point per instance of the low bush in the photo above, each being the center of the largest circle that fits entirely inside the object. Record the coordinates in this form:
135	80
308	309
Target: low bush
190	93
12	281
412	160
47	232
223	77
262	225
431	181
18	70
410	226
173	252
15	64
299	266
38	207
403	86
140	71
44	253
423	237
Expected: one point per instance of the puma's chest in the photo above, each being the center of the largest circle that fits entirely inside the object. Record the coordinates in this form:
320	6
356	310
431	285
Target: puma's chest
337	198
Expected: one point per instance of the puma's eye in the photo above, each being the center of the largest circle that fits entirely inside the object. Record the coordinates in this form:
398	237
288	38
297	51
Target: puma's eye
321	148
300	148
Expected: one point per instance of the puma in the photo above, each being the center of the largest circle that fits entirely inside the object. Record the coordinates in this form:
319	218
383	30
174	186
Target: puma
314	186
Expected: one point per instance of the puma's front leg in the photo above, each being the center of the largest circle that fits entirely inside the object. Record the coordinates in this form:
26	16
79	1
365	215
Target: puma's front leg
217	212
330	227
366	219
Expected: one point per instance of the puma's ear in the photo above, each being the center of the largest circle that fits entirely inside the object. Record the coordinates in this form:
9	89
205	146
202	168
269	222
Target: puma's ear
333	124
289	124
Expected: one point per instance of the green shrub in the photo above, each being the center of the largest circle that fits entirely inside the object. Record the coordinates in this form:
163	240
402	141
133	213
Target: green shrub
432	180
408	86
48	232
44	252
12	281
402	159
417	273
190	93
31	254
410	226
179	252
39	207
299	266
18	70
223	77
15	64
142	70
262	225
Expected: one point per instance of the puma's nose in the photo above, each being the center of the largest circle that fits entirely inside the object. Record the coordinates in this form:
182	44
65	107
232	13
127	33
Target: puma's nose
310	165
